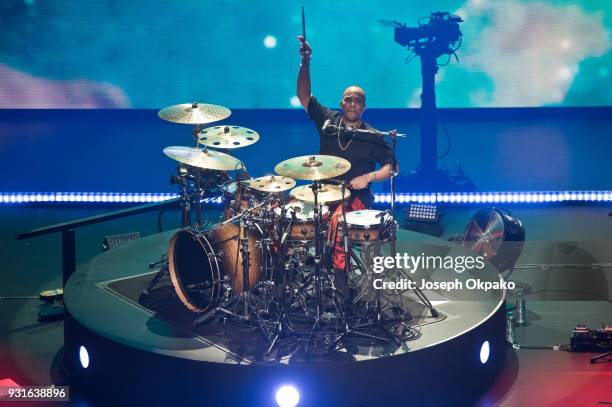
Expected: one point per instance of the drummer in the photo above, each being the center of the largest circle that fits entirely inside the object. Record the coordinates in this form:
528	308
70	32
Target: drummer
364	152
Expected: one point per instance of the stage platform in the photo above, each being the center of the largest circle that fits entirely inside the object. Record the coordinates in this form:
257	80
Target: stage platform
142	349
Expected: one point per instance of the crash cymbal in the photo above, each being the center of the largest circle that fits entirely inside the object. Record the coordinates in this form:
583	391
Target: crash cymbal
272	183
327	193
212	160
313	167
194	113
227	136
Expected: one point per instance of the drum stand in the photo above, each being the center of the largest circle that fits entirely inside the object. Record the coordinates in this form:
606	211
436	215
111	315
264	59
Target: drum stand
377	320
239	306
318	269
188	196
283	324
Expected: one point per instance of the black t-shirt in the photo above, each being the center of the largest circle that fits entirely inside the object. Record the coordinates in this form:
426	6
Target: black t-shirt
363	152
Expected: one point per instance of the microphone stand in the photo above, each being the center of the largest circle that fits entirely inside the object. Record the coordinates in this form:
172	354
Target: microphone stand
393	241
393	134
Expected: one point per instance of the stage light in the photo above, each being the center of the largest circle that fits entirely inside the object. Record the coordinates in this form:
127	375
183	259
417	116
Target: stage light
485	351
84	357
295	101
270	41
287	396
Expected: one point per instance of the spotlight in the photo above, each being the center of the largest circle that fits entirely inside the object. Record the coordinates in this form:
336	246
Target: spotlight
287	396
485	351
269	41
84	357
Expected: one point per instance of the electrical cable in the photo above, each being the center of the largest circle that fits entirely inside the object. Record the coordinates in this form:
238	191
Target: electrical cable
20	298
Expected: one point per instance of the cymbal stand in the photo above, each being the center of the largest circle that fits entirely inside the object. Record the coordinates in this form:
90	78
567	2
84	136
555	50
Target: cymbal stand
316	186
283	324
195	132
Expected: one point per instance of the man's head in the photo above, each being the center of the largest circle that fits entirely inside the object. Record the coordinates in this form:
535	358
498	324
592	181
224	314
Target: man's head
353	104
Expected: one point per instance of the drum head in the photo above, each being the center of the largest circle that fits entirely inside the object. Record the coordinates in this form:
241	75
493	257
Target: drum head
194	274
365	218
303	211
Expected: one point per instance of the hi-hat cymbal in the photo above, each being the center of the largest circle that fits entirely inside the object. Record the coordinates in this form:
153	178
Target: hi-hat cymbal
313	167
227	136
194	113
272	183
211	160
327	193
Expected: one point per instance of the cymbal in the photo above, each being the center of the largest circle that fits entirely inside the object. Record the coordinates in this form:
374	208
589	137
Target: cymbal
272	183
327	193
194	113
313	167
212	160
227	136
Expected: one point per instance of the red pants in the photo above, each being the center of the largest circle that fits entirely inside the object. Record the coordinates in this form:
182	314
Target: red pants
339	257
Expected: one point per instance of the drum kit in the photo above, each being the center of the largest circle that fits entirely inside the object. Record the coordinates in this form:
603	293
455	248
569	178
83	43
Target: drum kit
267	261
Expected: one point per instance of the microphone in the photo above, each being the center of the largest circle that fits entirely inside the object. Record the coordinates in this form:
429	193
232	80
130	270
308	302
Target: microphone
326	126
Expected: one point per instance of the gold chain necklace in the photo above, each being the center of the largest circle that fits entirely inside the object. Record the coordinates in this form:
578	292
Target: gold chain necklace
350	141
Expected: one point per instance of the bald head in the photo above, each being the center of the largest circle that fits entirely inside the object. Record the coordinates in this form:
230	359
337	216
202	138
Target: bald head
352	104
354	90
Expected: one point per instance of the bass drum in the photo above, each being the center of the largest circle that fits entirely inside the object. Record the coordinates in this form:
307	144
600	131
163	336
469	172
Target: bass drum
205	265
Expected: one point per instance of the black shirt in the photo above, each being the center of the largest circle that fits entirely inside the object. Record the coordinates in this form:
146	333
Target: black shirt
363	152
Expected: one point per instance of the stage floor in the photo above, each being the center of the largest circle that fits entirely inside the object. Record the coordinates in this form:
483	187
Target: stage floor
112	282
107	311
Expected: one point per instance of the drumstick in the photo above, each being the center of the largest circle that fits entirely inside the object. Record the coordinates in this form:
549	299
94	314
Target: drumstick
303	25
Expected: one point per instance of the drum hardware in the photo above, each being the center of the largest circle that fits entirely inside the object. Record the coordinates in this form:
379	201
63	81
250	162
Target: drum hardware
318	267
243	306
283	323
163	271
198	164
377	320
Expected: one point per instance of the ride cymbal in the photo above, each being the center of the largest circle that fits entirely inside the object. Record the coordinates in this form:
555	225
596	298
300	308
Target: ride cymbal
313	167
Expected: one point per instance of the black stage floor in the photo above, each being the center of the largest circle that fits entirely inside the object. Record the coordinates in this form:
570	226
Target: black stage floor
245	343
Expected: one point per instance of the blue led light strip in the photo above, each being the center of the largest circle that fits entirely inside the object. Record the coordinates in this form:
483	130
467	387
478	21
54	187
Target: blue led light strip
441	197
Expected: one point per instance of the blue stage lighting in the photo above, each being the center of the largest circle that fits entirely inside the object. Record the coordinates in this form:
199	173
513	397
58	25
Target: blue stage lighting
287	396
84	357
485	351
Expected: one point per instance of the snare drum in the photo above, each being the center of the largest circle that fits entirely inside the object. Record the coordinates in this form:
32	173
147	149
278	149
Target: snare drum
303	224
366	225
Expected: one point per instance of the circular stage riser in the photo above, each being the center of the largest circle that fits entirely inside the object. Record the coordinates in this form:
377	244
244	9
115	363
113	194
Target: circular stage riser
447	373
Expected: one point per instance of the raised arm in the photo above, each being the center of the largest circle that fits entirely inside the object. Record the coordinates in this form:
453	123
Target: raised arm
303	80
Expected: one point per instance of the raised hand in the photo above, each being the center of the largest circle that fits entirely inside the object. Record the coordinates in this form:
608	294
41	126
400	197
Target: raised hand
305	50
